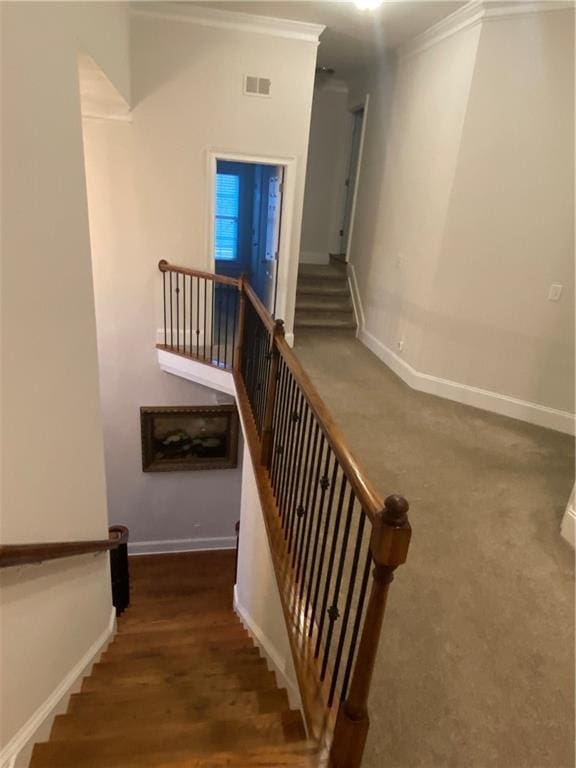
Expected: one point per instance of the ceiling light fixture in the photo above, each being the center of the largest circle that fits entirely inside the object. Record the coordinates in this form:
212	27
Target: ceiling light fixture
367	5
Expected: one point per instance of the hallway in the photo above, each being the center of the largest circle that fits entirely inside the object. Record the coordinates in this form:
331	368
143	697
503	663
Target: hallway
476	664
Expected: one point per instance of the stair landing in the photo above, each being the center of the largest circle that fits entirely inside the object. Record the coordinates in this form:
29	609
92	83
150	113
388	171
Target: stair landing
182	685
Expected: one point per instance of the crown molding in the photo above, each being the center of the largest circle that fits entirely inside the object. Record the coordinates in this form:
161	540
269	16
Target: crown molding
474	13
243	22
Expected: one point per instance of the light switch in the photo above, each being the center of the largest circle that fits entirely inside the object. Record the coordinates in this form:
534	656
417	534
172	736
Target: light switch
555	292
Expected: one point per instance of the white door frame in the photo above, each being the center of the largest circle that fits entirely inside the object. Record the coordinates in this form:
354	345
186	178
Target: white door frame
287	214
357	177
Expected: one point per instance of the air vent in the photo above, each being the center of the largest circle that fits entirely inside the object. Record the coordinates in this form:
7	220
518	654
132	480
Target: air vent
257	86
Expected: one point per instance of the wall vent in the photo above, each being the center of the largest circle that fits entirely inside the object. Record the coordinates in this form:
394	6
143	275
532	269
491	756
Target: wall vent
257	86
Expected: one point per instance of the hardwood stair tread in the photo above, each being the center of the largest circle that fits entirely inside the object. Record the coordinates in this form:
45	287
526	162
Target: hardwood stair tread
217	681
200	650
182	665
199	707
194	738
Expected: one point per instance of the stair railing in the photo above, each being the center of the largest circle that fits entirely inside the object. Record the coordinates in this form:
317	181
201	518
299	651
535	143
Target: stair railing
335	543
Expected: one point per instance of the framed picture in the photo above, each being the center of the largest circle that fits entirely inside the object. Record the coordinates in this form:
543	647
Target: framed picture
177	438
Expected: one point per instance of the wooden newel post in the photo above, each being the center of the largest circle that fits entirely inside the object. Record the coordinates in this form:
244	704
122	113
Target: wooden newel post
389	546
240	320
267	429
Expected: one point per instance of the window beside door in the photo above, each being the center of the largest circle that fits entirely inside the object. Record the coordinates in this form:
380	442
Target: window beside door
227	217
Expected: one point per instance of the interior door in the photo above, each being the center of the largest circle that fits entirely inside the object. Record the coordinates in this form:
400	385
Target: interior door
358	118
267	242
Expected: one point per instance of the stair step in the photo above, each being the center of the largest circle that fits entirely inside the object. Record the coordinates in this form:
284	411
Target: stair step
314	302
116	676
306	319
323	288
178	663
295	755
170	637
199	650
323	271
151	747
233	704
184	623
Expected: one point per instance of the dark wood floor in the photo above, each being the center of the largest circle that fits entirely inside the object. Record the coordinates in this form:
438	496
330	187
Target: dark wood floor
181	685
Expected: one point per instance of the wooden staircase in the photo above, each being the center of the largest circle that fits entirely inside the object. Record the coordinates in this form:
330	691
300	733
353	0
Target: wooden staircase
182	685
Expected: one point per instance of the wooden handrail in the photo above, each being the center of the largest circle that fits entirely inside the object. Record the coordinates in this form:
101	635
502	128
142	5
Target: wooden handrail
261	310
366	494
165	266
25	554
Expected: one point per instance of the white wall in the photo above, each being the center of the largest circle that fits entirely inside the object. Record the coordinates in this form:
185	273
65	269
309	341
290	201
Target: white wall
328	154
465	212
165	511
52	455
187	81
256	593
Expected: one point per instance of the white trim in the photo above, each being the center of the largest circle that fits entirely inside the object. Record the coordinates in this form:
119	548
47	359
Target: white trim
27	736
275	660
285	256
568	528
243	22
471	14
356	298
357	179
201	373
543	416
108	118
314	257
180	545
289	338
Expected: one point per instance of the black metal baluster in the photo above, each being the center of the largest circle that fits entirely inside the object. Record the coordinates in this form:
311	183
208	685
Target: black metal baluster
213	323
330	567
198	317
190	320
171	319
324	542
164	303
282	380
356	627
177	312
234	317
281	449
333	612
227	291
219	306
348	605
204	337
184	312
294	503
310	466
324	484
293	428
288	428
303	559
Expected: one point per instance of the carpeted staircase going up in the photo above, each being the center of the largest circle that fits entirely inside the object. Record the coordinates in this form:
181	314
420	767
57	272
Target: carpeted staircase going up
323	297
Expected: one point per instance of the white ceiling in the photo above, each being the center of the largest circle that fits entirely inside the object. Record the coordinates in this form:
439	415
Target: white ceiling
351	36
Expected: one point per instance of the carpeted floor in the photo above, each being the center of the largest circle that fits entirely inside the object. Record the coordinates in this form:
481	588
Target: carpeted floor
476	661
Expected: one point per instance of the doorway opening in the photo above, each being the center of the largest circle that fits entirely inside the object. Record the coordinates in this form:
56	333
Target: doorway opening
247	221
351	180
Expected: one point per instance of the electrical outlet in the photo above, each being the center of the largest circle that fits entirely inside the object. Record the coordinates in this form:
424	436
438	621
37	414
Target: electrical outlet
555	292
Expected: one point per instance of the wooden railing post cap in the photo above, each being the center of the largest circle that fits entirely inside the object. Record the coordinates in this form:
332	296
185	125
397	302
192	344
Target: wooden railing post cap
279	328
162	265
391	533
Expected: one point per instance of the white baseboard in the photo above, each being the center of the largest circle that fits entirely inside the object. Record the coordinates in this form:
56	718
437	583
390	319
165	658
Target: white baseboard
275	660
541	415
314	257
18	751
356	299
568	528
180	545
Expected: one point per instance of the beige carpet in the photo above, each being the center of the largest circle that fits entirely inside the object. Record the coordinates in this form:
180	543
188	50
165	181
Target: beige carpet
476	662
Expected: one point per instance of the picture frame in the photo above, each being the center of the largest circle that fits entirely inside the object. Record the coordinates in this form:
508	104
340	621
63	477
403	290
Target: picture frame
179	438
